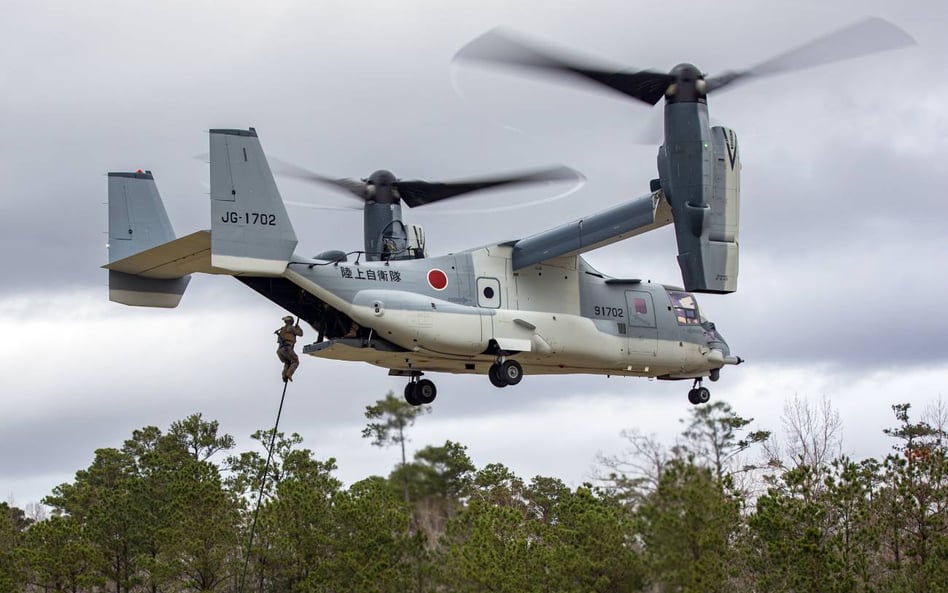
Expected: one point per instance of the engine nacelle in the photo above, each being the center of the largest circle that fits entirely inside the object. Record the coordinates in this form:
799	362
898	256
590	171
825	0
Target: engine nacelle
700	177
725	216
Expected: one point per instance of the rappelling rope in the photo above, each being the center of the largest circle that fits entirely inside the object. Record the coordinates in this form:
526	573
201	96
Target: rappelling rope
263	483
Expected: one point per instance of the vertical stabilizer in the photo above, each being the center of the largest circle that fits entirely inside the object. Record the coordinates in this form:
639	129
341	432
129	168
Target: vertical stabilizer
138	222
250	229
137	218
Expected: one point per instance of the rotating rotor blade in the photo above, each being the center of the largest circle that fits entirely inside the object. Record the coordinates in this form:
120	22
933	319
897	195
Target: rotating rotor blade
859	39
500	47
321	207
419	193
351	186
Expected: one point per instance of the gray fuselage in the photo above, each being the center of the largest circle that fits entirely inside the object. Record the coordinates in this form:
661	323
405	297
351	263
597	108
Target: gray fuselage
459	312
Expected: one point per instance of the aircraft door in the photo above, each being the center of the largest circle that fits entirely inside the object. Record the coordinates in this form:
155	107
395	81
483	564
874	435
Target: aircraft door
642	330
488	297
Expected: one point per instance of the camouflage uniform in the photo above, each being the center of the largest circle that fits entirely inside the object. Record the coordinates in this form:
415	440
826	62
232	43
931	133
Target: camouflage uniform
286	338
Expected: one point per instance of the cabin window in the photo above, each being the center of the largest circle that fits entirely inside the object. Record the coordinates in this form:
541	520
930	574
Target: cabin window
641	311
640	307
685	307
488	292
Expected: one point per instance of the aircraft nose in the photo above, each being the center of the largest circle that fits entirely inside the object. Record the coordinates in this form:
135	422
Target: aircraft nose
720	351
715	339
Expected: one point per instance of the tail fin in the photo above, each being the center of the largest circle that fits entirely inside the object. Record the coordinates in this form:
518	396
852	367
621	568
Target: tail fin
138	222
250	229
137	217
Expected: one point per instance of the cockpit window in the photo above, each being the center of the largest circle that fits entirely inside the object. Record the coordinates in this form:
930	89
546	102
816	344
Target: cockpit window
685	307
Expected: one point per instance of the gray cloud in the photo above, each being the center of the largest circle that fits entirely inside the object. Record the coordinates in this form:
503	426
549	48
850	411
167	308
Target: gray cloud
843	190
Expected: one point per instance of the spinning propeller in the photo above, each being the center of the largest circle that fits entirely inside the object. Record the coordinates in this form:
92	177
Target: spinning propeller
384	234
382	187
698	165
685	82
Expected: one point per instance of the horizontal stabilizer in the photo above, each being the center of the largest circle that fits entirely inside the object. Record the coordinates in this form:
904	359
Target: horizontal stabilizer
187	255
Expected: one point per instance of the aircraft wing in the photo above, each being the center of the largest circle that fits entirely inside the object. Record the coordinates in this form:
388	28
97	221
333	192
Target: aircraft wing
592	232
174	259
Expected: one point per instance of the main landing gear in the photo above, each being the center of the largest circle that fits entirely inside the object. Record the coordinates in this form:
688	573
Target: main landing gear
699	394
420	392
504	373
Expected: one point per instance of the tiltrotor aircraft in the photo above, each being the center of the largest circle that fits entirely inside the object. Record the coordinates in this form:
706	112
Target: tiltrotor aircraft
531	305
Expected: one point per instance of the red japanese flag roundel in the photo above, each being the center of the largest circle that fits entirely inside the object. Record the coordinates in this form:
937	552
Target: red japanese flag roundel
437	279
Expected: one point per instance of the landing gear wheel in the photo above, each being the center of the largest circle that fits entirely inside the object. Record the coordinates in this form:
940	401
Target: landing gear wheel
410	394
699	395
511	372
692	397
703	395
494	375
425	391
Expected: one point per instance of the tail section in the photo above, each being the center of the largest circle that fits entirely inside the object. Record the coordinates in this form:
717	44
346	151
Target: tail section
250	233
138	222
250	229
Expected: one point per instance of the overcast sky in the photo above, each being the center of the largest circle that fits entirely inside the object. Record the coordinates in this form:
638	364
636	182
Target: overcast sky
842	281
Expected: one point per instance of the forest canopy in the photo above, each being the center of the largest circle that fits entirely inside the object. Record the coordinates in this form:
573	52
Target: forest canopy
722	508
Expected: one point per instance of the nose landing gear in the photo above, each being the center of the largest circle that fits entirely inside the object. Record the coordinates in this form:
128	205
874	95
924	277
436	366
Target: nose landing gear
699	394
